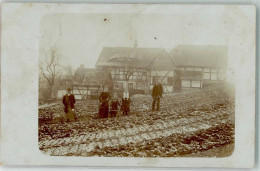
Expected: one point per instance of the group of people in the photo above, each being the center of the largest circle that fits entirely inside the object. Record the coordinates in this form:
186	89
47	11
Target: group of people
110	106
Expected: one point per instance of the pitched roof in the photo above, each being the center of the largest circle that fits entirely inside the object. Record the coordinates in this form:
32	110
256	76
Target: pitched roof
90	77
144	57
196	55
191	75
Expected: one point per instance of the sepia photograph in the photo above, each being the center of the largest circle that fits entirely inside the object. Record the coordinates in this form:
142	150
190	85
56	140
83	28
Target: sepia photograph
123	86
128	85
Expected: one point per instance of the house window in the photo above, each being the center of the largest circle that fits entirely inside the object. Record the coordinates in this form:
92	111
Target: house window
221	74
195	83
214	76
206	76
118	85
185	83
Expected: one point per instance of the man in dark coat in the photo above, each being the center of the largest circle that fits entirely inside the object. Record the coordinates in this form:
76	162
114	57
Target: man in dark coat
157	94
69	105
104	105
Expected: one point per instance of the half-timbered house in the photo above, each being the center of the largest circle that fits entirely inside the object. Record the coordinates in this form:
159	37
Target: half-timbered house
210	60
135	69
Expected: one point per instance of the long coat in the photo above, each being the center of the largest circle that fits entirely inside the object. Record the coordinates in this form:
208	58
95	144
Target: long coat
157	90
68	100
104	104
104	96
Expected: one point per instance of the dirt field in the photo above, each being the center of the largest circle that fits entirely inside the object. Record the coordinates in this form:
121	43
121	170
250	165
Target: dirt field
193	123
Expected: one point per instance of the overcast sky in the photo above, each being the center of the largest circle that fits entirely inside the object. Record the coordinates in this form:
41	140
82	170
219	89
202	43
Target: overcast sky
84	35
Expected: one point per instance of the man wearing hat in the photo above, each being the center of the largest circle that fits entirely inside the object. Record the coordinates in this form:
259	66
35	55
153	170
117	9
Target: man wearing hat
157	94
69	101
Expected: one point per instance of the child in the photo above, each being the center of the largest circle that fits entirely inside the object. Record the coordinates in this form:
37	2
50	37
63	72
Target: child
125	103
114	106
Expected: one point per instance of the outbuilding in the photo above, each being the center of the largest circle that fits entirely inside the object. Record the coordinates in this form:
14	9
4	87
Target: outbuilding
210	60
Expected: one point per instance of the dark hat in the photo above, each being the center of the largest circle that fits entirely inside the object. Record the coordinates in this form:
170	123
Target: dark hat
68	89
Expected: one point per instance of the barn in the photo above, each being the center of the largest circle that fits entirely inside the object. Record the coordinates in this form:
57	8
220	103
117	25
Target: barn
210	60
191	79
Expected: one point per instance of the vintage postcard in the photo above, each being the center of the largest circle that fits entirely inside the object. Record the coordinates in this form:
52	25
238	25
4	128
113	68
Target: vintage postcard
128	85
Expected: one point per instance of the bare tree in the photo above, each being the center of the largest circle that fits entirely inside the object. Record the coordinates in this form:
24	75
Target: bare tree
69	73
50	68
128	66
79	76
104	78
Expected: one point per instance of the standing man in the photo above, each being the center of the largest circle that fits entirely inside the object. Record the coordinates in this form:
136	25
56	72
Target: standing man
157	94
69	101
